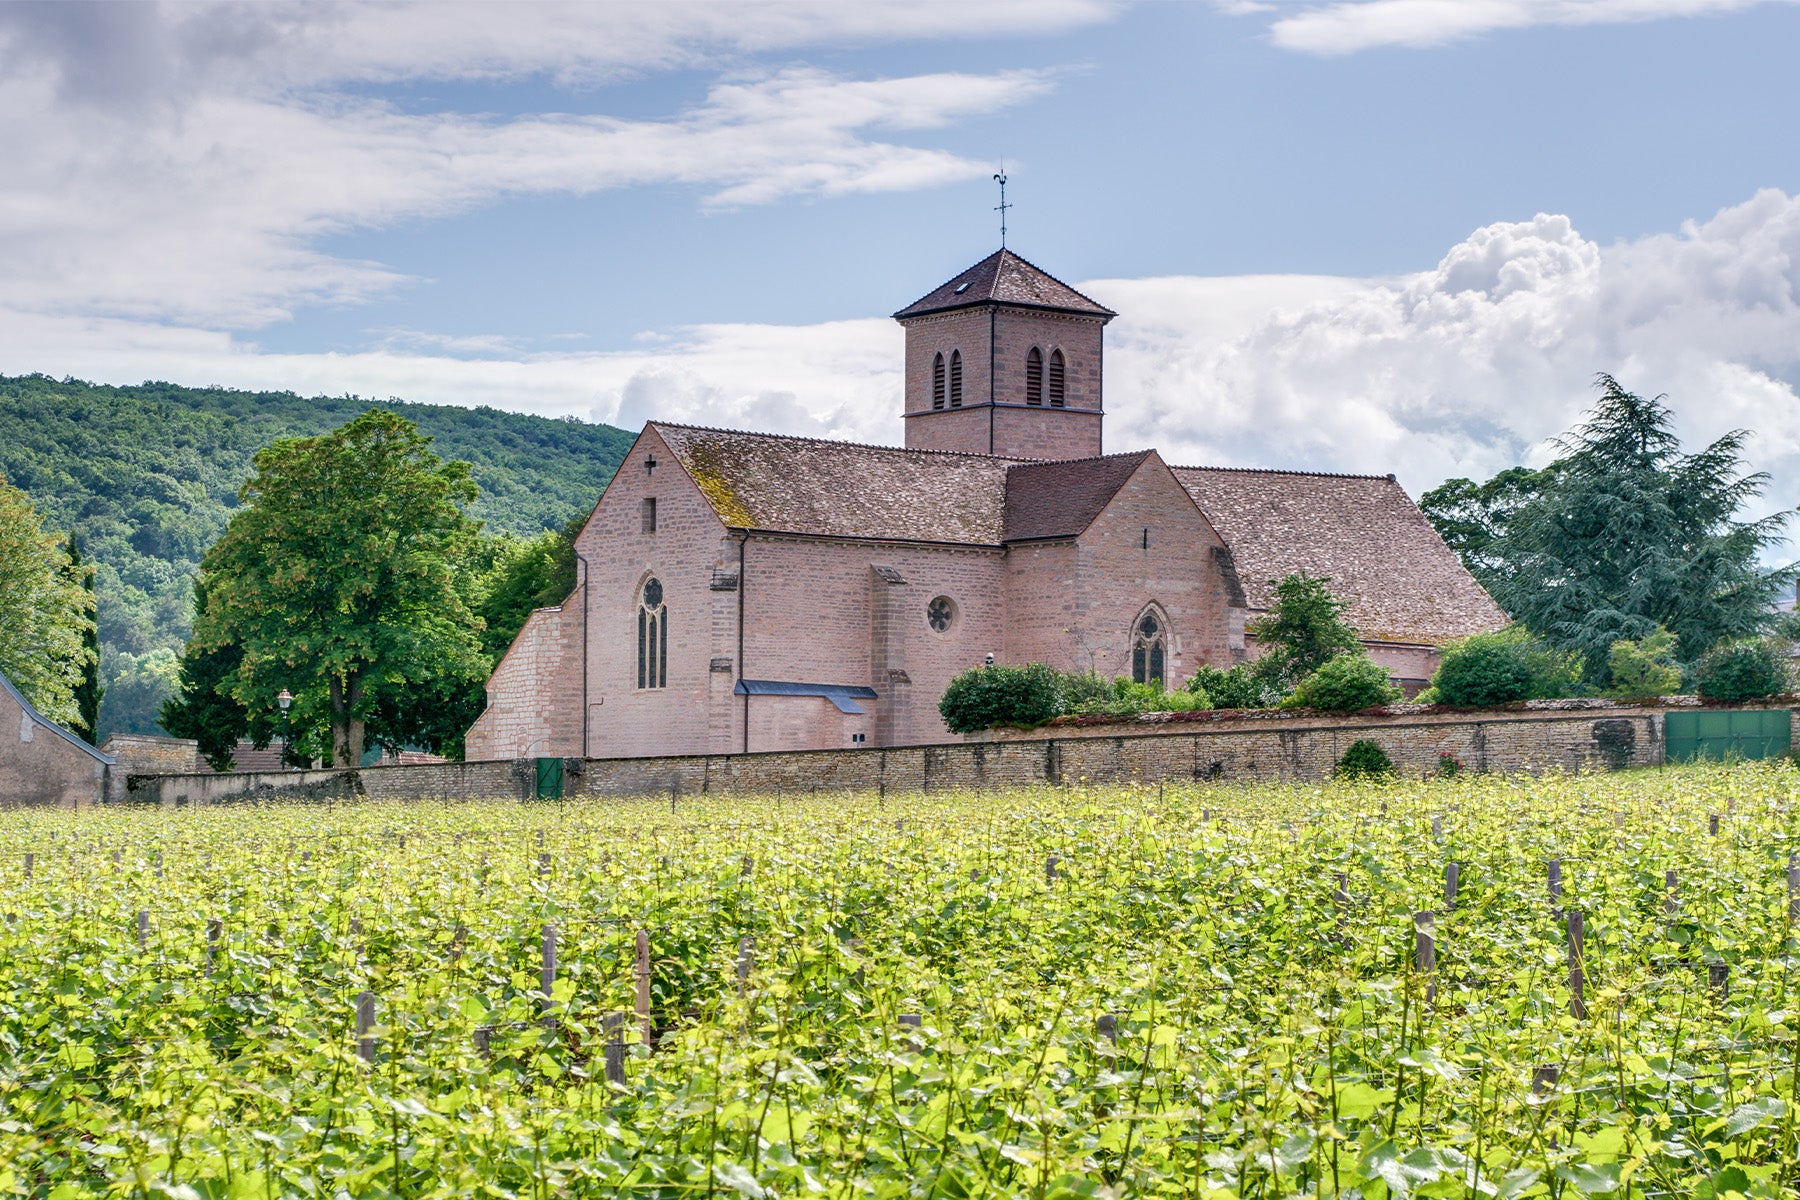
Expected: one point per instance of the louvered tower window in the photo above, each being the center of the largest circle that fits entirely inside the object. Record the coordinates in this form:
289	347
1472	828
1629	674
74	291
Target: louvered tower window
1058	389
956	379
937	381
1034	377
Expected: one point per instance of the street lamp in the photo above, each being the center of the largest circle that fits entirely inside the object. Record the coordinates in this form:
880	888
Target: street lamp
285	699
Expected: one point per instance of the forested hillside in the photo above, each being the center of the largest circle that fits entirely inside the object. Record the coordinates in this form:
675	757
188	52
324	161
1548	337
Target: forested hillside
147	476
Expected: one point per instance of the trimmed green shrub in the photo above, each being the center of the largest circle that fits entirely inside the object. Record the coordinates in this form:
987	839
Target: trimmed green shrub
987	696
1365	760
1128	699
1078	689
1645	667
1347	683
1745	670
1246	685
1498	668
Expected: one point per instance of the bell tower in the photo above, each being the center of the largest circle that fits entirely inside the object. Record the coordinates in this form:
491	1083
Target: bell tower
1004	359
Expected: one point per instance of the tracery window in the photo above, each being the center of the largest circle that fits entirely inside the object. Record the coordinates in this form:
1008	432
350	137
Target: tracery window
1149	646
1034	377
940	614
937	381
956	379
653	636
1058	392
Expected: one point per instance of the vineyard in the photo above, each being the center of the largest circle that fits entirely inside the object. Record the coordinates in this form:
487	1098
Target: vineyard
1469	986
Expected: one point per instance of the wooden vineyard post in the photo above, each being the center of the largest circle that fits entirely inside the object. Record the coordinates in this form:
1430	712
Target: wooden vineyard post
1553	873
365	1022
912	1021
30	861
1050	872
544	865
746	962
214	929
643	985
1577	975
548	975
1340	900
1437	829
1452	877
1544	1079
1712	825
143	928
1793	881
484	1040
1718	981
1671	901
1425	951
614	1026
1106	1025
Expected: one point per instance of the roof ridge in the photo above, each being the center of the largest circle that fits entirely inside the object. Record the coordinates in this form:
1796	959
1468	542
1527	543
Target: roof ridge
1041	271
797	437
38	718
1389	476
1056	462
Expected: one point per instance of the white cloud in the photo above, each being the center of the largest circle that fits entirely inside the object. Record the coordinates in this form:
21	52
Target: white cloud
1352	25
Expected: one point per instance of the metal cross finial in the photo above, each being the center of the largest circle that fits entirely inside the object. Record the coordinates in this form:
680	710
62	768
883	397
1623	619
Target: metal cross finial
650	465
1001	208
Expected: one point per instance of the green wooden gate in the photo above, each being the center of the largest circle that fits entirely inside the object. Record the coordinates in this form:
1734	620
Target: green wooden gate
1727	733
549	778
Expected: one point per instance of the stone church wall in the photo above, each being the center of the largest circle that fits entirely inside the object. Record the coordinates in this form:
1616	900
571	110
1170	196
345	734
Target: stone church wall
534	694
40	769
1222	750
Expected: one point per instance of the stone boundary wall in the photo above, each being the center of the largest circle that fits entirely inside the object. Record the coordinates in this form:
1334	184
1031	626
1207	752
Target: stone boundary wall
1227	750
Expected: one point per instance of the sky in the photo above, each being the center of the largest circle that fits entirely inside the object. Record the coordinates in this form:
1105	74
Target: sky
1349	235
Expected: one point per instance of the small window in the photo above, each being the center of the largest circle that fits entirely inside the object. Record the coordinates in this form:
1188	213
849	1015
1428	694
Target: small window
940	614
653	637
1058	392
1149	645
956	379
937	381
650	514
1034	377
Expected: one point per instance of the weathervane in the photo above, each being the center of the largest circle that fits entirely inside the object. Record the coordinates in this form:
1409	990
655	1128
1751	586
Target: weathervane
1001	207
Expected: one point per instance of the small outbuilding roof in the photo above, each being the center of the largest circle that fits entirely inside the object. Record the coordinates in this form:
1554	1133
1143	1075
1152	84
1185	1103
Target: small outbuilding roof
1400	583
42	722
844	695
1061	499
1004	278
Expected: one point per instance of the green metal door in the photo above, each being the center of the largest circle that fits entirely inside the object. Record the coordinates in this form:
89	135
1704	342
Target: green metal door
1727	733
549	778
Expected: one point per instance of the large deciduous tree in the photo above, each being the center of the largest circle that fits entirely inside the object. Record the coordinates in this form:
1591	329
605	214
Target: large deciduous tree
1625	533
46	611
341	580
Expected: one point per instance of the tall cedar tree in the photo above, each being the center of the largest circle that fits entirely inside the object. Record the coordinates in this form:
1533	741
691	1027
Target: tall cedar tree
88	692
46	611
1628	533
1303	631
339	581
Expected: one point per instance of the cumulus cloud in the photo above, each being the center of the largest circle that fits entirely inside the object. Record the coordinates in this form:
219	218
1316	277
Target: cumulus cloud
1352	25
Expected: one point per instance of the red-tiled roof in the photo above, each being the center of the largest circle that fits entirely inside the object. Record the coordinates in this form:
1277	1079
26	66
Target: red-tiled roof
1061	499
1398	579
782	484
1005	278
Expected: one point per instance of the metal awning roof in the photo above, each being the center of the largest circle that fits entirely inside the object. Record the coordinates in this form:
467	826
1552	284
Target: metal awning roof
844	695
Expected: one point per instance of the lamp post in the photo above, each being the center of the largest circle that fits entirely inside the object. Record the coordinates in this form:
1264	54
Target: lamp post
285	699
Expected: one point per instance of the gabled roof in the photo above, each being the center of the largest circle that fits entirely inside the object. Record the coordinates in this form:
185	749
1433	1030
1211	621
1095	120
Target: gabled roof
1398	579
780	484
42	722
1061	499
1005	278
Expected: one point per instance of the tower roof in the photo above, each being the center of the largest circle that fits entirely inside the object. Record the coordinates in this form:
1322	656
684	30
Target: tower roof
1004	278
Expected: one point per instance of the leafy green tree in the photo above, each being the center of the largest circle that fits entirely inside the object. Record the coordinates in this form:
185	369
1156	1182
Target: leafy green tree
1745	669
1645	667
1348	683
1303	631
341	580
1629	533
1473	518
526	574
46	611
983	697
203	707
89	691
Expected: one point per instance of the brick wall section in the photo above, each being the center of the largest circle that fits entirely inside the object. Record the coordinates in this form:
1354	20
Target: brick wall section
40	769
534	694
1230	749
141	754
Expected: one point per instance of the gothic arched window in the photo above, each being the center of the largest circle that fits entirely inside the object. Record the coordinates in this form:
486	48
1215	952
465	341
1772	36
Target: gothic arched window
1149	646
1058	392
956	379
1034	376
937	381
653	636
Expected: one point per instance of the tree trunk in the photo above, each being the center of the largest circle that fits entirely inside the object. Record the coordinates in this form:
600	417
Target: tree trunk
346	722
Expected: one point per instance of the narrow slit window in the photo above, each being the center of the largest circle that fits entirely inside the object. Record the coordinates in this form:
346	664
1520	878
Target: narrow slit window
956	379
937	381
653	637
1034	377
1058	376
650	514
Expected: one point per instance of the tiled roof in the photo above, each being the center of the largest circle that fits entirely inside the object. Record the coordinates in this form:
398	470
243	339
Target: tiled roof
782	484
1061	499
42	722
1400	582
1005	278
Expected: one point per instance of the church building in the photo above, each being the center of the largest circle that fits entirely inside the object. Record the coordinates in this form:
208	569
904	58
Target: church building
746	592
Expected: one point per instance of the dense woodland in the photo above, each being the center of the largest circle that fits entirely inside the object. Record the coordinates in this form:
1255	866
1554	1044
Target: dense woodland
147	477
